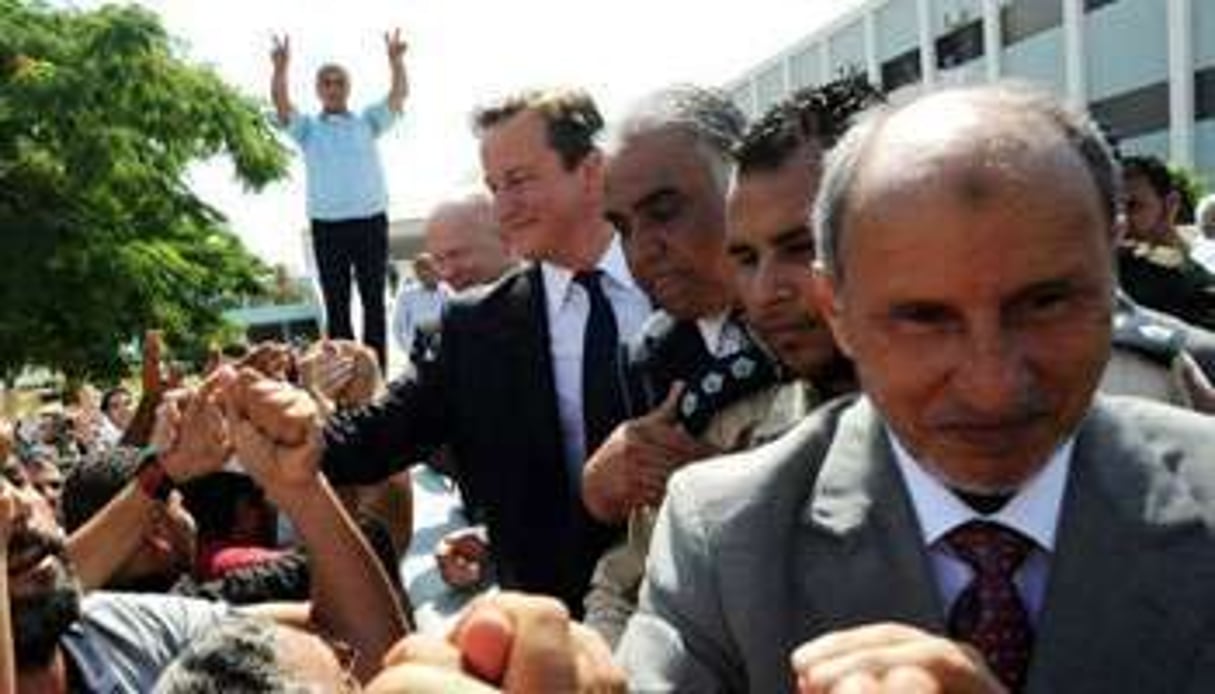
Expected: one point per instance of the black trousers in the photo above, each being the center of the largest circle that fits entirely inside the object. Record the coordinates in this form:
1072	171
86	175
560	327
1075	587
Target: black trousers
361	246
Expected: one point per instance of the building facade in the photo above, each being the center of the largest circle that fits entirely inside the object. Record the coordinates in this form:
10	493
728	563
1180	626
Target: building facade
1145	69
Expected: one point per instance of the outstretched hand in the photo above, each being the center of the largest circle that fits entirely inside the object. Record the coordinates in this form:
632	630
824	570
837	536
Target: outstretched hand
395	45
280	52
191	432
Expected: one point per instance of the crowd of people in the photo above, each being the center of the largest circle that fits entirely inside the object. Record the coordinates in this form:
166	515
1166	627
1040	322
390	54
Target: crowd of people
851	398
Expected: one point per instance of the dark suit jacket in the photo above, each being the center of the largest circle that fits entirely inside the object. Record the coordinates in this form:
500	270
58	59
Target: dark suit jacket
757	553
489	395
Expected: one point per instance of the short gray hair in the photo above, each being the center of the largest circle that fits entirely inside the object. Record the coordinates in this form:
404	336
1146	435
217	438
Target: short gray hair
844	161
705	114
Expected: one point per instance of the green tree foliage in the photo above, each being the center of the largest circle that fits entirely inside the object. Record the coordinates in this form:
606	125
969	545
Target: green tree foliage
100	237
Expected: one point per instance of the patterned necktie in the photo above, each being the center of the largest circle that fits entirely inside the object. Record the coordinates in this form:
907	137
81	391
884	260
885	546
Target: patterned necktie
989	613
602	402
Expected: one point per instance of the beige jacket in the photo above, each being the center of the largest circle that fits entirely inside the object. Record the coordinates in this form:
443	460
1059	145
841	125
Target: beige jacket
748	423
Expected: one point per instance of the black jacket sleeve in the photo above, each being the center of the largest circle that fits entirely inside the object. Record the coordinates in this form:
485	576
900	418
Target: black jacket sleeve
366	445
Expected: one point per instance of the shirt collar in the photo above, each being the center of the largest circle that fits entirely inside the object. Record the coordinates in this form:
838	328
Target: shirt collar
721	334
1033	511
711	328
557	279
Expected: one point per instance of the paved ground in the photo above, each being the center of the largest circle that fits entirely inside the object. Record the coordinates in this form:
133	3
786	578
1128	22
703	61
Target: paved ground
436	511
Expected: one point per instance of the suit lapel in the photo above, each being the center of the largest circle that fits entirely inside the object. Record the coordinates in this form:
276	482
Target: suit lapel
859	560
1129	560
521	343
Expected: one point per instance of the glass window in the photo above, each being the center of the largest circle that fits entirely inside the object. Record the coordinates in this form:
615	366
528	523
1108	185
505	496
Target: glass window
1022	19
1135	112
1204	93
963	44
901	70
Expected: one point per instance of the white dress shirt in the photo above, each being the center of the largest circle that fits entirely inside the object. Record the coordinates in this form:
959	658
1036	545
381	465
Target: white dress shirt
722	336
417	308
1033	511
568	308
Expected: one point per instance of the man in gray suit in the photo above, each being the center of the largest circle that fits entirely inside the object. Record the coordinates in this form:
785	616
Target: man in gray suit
977	520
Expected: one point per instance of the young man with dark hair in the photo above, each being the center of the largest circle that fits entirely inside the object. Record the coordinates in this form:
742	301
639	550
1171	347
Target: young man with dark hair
1155	266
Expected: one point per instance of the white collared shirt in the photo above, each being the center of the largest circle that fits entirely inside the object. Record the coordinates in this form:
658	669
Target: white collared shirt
1033	511
722	336
568	308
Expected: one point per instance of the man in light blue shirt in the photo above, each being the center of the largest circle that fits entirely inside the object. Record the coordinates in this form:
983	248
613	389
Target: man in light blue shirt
347	198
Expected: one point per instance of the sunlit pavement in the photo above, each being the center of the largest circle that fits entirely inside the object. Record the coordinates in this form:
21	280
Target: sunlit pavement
436	511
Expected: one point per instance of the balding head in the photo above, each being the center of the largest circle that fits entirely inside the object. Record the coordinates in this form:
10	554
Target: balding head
968	245
967	140
465	242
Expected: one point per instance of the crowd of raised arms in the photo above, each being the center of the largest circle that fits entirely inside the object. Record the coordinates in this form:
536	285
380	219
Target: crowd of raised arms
853	397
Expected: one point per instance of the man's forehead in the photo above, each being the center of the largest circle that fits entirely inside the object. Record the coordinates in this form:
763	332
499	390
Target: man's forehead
656	152
526	126
460	219
951	146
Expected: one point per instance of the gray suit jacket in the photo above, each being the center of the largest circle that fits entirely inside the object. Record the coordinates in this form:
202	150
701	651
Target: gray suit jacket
757	553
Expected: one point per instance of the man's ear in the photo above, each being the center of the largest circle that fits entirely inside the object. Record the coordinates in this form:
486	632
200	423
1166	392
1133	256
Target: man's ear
591	171
825	299
1172	206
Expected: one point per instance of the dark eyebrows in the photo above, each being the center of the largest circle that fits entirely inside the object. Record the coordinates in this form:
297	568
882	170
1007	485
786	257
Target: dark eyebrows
657	197
1046	289
739	247
793	235
921	310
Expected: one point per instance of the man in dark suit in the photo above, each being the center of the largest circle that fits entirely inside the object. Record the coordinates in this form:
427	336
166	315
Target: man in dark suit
977	520
507	388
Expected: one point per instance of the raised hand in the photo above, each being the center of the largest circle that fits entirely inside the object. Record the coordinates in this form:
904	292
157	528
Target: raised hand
272	359
342	371
394	45
276	430
280	53
191	431
151	375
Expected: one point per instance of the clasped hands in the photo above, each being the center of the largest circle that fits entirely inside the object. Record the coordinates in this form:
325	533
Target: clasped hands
273	428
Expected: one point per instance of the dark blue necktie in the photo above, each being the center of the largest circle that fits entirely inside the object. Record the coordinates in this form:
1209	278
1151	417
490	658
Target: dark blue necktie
602	403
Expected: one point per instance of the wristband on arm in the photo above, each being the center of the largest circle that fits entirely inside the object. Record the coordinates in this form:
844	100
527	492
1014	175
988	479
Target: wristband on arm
151	476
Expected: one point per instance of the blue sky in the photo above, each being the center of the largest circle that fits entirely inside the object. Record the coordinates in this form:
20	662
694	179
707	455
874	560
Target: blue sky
460	52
